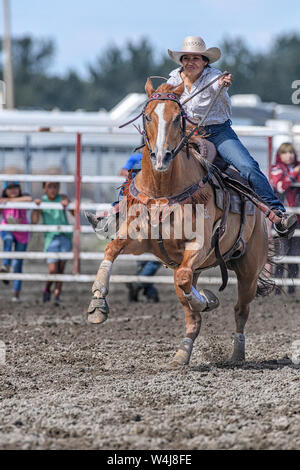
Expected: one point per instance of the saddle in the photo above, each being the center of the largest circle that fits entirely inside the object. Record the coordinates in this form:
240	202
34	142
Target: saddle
232	194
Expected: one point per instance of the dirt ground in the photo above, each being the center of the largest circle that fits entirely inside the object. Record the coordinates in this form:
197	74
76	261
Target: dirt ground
67	384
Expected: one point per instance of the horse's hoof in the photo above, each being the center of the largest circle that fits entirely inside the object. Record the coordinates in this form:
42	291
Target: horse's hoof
211	300
98	310
97	317
237	359
175	365
181	358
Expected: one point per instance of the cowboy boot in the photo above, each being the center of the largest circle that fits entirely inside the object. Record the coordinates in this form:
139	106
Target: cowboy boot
287	225
105	223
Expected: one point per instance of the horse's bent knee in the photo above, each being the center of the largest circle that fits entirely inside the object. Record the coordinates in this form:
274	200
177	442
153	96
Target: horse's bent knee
184	279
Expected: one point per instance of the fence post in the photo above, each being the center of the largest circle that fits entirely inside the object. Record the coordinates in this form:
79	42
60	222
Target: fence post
28	162
76	238
270	154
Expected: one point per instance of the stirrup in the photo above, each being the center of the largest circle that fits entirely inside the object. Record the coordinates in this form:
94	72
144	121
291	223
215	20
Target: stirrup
288	231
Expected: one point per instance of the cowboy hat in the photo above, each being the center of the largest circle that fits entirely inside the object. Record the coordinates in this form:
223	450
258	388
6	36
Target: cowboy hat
195	45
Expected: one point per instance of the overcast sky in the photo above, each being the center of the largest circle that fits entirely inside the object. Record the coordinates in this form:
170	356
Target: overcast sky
82	29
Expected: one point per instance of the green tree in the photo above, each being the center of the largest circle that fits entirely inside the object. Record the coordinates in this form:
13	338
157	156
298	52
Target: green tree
238	59
34	86
278	68
119	71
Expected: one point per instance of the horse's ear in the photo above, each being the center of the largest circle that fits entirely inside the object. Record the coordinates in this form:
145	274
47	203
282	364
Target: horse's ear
149	88
179	90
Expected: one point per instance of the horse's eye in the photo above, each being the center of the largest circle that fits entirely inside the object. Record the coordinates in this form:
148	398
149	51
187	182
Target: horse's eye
148	117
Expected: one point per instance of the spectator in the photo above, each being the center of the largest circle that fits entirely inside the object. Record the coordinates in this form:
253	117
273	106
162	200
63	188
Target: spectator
54	241
284	173
12	192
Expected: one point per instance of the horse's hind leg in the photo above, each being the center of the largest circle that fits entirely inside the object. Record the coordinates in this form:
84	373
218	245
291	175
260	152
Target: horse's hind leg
98	309
193	303
246	293
192	328
248	269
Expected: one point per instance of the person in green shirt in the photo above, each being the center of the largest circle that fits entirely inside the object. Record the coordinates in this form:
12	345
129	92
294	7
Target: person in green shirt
54	241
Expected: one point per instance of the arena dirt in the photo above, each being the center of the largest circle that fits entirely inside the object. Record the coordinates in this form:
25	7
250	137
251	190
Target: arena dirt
70	385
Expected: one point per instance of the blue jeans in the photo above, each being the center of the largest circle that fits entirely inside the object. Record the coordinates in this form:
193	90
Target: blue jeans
235	153
59	244
147	268
133	175
8	241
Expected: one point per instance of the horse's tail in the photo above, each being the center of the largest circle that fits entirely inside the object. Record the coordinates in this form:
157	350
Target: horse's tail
265	285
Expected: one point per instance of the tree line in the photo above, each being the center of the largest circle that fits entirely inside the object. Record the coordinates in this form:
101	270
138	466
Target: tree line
119	71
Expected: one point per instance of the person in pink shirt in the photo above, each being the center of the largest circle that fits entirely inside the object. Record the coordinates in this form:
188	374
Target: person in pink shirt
12	193
284	174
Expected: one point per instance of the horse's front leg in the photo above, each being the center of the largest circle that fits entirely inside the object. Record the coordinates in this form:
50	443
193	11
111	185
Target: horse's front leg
98	309
194	303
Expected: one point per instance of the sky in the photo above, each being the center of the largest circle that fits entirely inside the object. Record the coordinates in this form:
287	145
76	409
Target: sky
83	29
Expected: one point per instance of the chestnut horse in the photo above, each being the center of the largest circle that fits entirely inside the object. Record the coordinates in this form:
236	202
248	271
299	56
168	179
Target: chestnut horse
166	174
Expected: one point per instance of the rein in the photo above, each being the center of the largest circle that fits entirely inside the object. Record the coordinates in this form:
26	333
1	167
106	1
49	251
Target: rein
157	96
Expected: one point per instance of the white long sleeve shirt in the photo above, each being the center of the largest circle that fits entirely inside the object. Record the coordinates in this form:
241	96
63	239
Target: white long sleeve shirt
196	107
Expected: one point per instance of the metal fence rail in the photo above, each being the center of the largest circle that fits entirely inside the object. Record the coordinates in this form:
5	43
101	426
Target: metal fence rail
79	206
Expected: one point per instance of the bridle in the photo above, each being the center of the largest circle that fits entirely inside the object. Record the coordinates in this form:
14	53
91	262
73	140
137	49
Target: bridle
157	96
168	97
184	142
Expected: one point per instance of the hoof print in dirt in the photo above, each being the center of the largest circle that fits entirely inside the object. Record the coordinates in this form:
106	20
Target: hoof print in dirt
98	311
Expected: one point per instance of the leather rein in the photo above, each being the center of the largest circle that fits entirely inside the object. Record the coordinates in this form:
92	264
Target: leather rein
184	142
166	97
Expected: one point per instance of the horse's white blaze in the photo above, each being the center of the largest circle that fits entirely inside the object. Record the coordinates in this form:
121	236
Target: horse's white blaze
161	134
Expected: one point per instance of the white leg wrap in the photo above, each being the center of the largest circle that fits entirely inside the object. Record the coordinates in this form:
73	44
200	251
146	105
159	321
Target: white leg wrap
184	352
101	284
239	347
187	345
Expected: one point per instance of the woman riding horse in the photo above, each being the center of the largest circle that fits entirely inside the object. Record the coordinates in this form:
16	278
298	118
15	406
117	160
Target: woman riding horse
170	177
195	71
170	180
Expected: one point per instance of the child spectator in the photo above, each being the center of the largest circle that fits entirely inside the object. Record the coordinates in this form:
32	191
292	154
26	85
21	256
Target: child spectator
12	193
54	241
284	173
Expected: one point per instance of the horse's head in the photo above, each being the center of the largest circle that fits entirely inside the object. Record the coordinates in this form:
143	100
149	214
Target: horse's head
163	123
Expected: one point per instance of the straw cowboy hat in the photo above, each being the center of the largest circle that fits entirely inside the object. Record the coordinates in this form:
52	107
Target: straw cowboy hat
195	45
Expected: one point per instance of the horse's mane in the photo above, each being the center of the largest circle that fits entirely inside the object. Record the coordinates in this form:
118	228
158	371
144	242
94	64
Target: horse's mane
165	88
